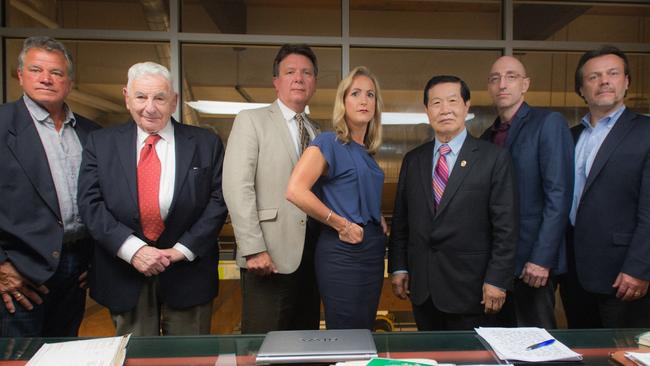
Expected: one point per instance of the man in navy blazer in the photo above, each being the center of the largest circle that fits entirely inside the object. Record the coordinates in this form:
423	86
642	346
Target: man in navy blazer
609	237
452	248
542	152
44	246
155	265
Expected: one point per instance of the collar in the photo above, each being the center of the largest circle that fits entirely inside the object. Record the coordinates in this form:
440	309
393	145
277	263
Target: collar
455	144
501	125
167	133
287	112
608	120
41	114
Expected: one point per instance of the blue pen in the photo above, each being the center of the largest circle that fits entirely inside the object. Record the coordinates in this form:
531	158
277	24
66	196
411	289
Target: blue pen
540	344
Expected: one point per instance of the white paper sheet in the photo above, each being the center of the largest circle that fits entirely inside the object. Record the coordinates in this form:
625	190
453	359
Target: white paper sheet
87	352
512	343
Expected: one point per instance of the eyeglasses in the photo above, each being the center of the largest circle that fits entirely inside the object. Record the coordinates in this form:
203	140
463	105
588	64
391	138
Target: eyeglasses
509	78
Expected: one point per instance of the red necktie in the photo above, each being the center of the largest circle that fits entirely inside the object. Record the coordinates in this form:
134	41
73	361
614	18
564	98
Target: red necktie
149	189
441	174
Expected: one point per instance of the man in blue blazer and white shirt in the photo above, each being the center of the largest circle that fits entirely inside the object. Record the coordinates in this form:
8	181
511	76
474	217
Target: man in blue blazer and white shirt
150	193
609	237
541	146
44	246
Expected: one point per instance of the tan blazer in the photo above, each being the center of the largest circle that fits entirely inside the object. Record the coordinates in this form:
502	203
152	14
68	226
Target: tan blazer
260	156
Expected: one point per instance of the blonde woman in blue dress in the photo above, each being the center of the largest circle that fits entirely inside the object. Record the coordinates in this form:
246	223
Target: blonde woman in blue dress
338	182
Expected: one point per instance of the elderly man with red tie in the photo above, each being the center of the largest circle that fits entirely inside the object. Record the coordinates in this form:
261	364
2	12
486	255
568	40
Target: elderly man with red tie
150	192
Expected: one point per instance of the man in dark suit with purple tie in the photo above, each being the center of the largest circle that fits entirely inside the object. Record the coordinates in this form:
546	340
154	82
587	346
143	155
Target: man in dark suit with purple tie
609	238
150	192
454	230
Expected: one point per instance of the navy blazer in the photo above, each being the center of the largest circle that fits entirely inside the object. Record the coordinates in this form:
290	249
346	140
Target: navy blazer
469	240
541	146
31	228
612	227
108	203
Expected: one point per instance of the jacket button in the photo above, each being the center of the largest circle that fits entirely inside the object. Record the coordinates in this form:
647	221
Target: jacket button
56	254
302	222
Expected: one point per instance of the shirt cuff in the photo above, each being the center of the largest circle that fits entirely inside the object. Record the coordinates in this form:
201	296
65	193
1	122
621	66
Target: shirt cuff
399	271
186	252
499	287
130	246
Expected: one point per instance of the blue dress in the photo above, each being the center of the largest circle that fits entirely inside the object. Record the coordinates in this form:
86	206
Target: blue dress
350	276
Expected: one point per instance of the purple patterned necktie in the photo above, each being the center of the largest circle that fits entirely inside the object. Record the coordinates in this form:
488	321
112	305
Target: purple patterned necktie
441	174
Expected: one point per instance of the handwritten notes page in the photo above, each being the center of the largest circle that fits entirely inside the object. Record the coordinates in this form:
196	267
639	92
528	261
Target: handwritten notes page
512	344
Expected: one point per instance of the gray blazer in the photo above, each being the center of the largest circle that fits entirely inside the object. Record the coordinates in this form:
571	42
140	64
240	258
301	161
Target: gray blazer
260	156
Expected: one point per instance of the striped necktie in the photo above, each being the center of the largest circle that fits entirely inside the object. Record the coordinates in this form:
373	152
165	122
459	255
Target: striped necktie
441	174
303	134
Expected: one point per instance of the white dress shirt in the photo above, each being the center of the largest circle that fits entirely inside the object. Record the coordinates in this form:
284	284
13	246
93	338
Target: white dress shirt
166	151
290	116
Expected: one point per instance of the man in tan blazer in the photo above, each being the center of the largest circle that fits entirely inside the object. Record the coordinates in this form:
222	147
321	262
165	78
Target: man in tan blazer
275	240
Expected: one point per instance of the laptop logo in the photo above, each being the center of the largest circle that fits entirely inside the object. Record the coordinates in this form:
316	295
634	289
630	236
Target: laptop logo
326	339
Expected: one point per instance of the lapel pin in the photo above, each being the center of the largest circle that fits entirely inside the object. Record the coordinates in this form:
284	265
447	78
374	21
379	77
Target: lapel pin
463	163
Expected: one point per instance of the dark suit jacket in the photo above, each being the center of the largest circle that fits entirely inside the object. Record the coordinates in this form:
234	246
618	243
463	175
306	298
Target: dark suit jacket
31	229
612	227
109	205
469	240
541	147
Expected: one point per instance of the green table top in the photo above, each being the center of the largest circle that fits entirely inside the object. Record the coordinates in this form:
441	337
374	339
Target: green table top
448	347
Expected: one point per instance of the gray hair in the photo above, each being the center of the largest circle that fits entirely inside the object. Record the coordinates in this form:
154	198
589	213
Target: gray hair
48	44
148	68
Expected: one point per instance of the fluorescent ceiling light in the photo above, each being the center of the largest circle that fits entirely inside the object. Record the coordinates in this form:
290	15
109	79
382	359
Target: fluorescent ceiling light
232	108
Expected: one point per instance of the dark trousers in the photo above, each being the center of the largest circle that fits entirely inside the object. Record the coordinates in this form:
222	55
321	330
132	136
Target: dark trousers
585	309
428	317
283	301
62	310
528	306
350	277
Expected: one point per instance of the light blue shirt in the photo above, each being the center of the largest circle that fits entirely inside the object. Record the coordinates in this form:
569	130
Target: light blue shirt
455	145
587	147
63	152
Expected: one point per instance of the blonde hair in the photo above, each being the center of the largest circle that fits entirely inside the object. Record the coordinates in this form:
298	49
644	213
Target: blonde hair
372	139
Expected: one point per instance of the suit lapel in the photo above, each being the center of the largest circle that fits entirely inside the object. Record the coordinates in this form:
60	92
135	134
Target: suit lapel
517	123
26	146
468	154
126	147
611	142
425	168
282	129
185	146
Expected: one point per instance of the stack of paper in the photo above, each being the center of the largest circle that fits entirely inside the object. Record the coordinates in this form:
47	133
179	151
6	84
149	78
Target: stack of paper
644	339
639	358
526	344
391	362
95	352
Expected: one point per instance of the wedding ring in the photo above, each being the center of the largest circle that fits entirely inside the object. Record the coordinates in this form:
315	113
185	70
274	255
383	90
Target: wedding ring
18	295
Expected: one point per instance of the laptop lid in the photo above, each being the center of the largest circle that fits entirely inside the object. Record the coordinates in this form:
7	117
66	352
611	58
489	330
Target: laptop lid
304	346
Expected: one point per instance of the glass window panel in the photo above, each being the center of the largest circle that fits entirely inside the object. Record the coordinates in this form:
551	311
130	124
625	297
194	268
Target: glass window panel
552	82
101	69
89	14
584	21
244	74
472	19
314	17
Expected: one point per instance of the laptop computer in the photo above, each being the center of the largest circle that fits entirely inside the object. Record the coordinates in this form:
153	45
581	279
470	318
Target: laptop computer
313	346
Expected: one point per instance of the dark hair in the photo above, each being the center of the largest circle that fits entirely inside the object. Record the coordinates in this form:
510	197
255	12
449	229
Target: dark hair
48	44
439	79
297	49
602	51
